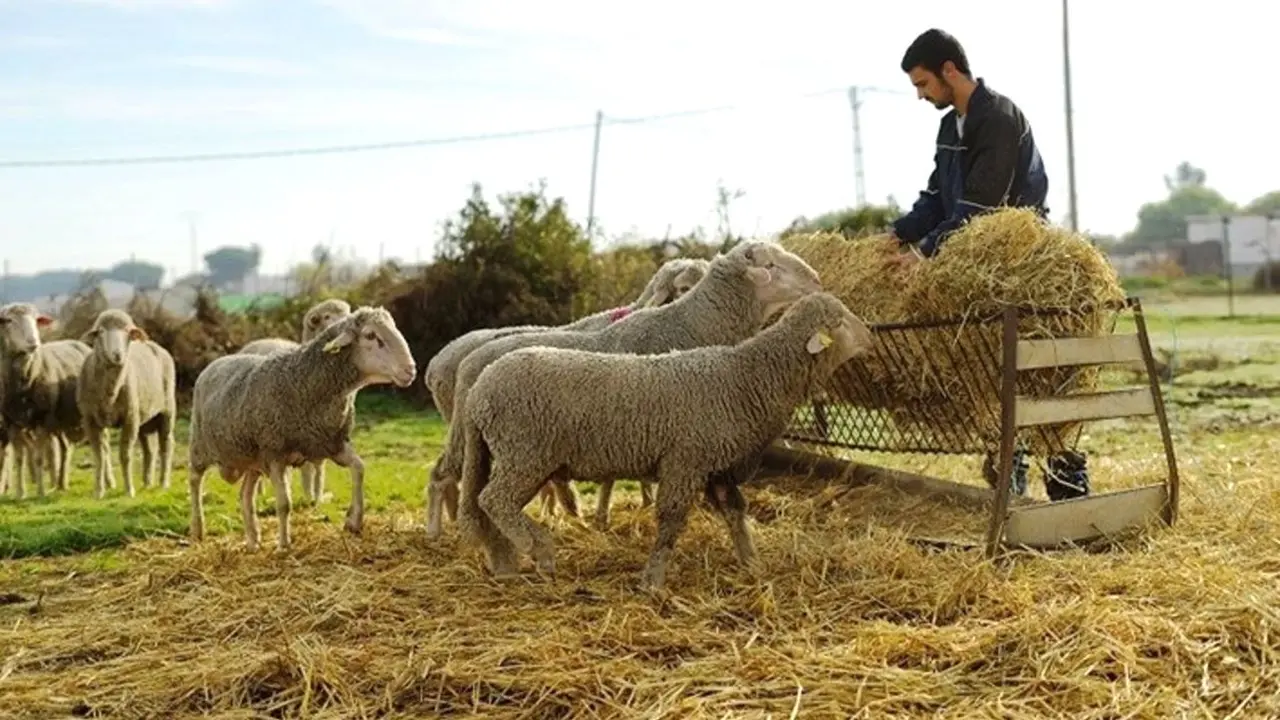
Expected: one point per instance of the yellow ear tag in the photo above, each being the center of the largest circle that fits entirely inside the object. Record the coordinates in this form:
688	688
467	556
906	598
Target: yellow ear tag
332	347
824	338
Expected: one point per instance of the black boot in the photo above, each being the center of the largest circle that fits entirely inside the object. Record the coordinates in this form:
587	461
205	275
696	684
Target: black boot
1067	476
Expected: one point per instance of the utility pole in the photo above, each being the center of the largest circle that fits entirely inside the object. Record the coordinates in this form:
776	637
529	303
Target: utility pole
595	165
1231	279
1072	211
860	183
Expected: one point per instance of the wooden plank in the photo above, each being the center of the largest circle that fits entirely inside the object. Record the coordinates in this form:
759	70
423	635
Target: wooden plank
1051	525
1092	406
782	461
1065	352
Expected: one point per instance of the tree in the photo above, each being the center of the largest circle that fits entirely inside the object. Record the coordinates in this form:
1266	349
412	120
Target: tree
852	222
141	275
230	264
1268	204
1166	221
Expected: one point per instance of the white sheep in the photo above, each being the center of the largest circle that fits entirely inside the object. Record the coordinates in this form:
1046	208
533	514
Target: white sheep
40	380
742	289
670	282
258	414
317	318
696	421
127	382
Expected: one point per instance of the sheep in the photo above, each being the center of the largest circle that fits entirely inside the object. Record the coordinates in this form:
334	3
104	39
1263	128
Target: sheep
317	318
40	381
258	414
741	290
679	417
671	281
127	382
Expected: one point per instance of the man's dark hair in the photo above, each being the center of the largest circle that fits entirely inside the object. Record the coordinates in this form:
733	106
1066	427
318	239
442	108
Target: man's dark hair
933	48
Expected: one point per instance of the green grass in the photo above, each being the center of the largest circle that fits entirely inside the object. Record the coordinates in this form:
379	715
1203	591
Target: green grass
398	444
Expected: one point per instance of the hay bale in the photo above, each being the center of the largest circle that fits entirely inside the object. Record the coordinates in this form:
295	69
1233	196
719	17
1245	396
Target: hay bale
944	381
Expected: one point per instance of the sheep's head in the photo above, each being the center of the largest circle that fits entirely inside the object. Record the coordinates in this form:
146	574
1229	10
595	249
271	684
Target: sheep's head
20	325
111	334
781	277
835	334
322	315
675	278
378	350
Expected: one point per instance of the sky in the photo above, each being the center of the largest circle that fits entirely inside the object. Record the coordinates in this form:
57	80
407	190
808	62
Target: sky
1153	85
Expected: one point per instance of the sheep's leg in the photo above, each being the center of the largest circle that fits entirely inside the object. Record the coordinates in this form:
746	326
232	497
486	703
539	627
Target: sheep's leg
148	459
547	500
729	503
352	462
128	437
195	487
107	470
97	438
317	483
307	472
284	502
646	493
472	520
165	440
35	464
21	463
564	492
504	499
6	466
49	445
604	495
676	493
63	447
248	511
439	486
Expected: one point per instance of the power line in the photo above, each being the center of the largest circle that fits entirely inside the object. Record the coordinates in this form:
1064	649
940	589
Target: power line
394	145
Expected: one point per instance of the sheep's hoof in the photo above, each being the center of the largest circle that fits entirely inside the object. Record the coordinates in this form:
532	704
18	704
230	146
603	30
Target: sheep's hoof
601	523
547	568
353	526
653	578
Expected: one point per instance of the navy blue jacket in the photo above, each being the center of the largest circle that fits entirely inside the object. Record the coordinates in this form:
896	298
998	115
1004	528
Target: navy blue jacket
996	163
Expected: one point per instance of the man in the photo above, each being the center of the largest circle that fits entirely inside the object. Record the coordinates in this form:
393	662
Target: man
986	158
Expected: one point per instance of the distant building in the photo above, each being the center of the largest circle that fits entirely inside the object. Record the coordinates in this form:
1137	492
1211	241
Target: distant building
1251	240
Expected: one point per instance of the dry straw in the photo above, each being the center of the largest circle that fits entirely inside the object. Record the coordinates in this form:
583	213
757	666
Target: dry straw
1006	257
846	618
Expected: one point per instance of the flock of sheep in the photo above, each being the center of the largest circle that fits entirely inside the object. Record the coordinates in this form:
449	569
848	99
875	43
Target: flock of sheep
685	387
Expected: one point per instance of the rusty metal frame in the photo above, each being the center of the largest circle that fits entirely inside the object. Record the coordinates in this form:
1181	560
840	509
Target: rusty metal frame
866	424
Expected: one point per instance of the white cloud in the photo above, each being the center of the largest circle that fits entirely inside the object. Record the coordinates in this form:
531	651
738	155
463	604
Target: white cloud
265	67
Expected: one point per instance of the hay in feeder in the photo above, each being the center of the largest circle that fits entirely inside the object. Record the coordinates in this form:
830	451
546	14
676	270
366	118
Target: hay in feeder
1006	257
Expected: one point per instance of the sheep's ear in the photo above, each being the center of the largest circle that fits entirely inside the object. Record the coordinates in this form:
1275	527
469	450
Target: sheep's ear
343	339
138	334
818	342
90	337
759	275
43	320
658	298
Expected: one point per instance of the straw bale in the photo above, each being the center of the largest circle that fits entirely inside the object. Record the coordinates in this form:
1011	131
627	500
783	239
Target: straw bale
847	618
938	379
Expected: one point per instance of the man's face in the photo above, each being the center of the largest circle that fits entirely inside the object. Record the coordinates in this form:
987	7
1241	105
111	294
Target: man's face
931	87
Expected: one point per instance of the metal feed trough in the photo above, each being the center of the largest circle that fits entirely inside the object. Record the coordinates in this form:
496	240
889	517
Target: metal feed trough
978	388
